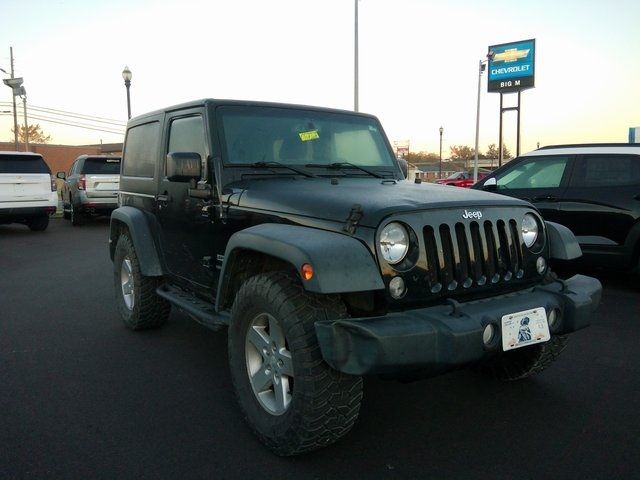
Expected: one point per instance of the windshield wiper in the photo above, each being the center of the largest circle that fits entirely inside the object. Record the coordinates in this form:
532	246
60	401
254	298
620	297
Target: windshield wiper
338	165
281	165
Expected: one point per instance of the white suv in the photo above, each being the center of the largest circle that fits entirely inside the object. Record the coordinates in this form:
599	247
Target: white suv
27	190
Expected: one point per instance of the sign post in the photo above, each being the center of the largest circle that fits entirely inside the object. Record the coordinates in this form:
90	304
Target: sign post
511	70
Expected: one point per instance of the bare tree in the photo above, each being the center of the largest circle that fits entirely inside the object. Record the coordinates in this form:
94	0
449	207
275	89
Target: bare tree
36	135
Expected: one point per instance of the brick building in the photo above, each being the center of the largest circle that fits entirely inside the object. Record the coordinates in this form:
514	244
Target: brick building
60	157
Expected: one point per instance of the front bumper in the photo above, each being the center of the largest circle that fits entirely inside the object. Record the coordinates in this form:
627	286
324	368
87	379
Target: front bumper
437	339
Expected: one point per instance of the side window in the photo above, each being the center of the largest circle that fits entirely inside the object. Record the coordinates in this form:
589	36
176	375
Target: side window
607	171
187	135
141	150
538	172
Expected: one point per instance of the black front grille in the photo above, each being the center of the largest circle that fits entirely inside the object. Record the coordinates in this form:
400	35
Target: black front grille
478	253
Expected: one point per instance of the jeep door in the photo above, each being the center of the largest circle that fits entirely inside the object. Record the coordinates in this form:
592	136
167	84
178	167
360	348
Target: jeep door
186	229
602	200
540	180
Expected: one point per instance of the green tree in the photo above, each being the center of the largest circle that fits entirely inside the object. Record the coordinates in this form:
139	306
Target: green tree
462	153
492	151
422	158
36	135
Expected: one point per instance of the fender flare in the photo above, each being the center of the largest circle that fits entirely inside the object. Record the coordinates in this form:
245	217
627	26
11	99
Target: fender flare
140	234
341	263
562	241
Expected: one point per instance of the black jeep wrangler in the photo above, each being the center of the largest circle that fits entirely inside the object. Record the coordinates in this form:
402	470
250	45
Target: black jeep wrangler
295	228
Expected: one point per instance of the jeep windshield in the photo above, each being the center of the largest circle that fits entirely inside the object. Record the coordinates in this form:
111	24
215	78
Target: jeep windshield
305	138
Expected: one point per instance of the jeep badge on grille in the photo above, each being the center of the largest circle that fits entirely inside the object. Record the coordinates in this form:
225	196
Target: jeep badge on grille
477	214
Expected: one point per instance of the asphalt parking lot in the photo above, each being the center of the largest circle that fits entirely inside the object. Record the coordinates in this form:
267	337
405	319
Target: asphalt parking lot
83	397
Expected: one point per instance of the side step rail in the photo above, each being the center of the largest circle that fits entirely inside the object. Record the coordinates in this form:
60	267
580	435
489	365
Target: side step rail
200	310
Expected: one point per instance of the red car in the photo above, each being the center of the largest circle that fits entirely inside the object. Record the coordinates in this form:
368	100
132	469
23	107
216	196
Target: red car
461	179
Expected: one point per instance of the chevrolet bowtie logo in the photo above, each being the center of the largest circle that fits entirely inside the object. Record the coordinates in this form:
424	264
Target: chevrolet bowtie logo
511	55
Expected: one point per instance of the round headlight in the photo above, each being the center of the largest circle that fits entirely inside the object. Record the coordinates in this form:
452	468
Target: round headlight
394	243
529	229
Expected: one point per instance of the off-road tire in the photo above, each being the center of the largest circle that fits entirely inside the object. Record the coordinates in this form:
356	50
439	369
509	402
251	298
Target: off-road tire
76	217
324	402
149	310
526	361
38	224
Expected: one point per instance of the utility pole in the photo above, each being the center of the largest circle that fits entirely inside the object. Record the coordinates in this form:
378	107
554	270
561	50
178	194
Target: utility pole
481	68
15	112
355	67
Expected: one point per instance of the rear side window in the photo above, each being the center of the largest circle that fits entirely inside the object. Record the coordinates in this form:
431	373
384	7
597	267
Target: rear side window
607	171
538	172
23	164
102	166
141	150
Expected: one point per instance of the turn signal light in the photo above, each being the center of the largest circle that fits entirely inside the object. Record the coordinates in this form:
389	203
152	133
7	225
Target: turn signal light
307	271
82	183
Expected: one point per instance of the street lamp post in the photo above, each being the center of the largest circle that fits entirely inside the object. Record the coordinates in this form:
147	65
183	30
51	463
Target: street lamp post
126	75
15	83
440	170
26	125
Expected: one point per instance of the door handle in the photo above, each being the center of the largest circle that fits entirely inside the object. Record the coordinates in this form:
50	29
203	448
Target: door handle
637	197
542	198
163	200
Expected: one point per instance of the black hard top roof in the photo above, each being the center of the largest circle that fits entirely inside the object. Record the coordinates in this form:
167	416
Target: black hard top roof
244	103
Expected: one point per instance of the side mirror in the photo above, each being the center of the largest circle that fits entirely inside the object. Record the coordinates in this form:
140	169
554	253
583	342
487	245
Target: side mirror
183	166
404	166
61	175
490	185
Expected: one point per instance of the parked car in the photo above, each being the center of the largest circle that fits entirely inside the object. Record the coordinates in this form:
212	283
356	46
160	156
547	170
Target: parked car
27	190
91	187
593	189
294	227
461	179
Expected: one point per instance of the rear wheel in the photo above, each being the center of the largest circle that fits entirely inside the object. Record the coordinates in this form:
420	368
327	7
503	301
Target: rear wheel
524	362
139	305
75	216
38	224
290	397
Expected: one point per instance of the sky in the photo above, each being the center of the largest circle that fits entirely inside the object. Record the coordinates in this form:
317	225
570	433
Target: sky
418	63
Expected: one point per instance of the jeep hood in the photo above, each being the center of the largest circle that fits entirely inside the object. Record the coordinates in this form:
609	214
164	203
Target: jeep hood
319	198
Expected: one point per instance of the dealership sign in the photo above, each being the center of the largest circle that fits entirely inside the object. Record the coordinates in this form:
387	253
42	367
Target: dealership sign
512	66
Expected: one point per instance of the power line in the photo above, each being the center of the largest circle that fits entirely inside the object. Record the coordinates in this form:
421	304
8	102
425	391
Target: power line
82	116
77	125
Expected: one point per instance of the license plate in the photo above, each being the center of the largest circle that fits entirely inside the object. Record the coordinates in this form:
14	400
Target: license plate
524	328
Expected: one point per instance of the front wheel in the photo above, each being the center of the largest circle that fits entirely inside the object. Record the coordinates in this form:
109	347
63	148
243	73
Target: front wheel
139	305
290	397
